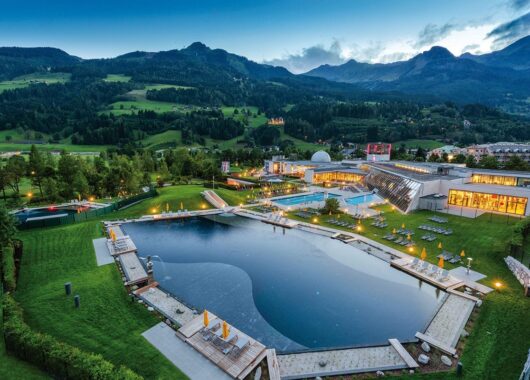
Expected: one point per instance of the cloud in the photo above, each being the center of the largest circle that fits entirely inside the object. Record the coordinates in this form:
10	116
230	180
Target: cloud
519	4
510	31
471	48
432	33
311	57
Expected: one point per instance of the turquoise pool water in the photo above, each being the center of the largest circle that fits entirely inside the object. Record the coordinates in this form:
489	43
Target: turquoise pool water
354	201
50	211
290	290
298	199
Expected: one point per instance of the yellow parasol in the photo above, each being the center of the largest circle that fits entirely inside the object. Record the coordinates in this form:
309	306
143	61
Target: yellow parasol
167	207
394	231
440	245
441	262
408	237
206	320
225	330
181	206
403	225
423	255
462	254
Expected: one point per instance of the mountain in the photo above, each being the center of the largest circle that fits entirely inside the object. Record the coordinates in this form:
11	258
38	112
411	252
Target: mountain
15	61
497	79
515	56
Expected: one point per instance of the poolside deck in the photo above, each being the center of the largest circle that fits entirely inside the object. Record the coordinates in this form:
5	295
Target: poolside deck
132	268
404	265
167	305
236	366
121	246
444	330
345	361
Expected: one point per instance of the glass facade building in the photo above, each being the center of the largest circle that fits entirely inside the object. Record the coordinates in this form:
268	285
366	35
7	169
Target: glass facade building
489	202
400	191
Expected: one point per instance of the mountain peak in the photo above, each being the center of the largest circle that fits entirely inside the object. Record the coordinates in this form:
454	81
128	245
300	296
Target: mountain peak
437	52
197	46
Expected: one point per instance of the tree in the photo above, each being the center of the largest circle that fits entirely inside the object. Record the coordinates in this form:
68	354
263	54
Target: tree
516	163
331	206
36	168
7	228
15	170
459	158
489	162
471	162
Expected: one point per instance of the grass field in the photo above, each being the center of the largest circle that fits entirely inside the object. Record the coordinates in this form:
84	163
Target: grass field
163	140
117	78
425	144
15	147
253	122
29	79
498	344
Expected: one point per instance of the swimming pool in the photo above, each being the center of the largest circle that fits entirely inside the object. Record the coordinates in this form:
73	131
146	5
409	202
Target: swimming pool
51	211
290	291
306	198
354	201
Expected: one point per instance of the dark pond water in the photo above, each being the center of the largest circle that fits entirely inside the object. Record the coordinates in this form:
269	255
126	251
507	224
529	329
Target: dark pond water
290	291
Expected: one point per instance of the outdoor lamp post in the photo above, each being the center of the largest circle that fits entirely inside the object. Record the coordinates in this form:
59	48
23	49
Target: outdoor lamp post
469	260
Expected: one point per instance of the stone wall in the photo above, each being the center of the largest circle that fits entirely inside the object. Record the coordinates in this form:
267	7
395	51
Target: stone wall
521	272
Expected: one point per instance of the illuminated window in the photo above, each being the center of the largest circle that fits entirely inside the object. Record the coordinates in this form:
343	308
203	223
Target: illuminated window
494	179
491	202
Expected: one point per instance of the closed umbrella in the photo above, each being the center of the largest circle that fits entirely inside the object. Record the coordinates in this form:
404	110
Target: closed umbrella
462	254
225	330
408	237
423	255
205	318
394	231
403	225
441	262
440	245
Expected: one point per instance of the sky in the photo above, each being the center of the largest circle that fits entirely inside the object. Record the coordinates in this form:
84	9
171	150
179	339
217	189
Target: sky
296	34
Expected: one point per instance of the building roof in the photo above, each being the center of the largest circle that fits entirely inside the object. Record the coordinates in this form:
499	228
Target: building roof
320	156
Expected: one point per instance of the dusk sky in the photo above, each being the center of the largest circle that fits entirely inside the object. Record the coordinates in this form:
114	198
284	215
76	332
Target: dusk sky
297	34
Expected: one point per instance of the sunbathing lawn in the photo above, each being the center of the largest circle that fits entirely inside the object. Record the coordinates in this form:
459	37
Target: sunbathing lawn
498	344
109	324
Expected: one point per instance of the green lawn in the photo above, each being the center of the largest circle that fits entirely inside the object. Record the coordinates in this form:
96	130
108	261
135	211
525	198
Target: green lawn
117	78
160	140
498	344
29	79
253	121
15	147
107	322
425	144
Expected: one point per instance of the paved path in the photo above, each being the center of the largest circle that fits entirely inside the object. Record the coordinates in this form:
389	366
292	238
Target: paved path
450	320
103	256
182	355
167	305
461	274
347	361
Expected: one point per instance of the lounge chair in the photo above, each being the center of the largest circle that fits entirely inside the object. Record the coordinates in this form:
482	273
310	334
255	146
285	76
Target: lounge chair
239	346
423	266
414	262
444	275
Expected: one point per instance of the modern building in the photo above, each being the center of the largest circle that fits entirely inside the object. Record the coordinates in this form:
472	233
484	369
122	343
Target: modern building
417	185
410	186
450	150
378	152
320	169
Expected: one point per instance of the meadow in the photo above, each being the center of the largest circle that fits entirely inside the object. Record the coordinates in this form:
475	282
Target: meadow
29	79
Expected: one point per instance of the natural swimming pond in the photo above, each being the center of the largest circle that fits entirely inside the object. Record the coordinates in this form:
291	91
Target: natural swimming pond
306	198
290	291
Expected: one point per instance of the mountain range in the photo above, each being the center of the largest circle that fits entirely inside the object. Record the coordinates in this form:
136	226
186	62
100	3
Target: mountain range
500	78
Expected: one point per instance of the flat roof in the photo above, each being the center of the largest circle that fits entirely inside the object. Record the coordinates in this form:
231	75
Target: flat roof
507	173
420	177
341	169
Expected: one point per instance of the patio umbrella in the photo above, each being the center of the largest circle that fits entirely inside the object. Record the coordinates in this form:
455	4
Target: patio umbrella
441	262
205	318
225	330
403	225
167	207
440	245
408	237
394	231
423	255
462	254
181	206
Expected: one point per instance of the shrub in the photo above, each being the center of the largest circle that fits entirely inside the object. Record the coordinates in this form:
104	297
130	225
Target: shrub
8	268
59	359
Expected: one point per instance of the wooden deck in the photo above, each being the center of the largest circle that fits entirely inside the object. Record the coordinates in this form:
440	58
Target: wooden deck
236	366
273	365
132	268
404	265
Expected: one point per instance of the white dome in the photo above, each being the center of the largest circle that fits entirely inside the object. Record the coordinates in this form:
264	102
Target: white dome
320	156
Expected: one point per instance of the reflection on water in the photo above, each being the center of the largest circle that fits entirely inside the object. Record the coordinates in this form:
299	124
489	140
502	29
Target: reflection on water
288	291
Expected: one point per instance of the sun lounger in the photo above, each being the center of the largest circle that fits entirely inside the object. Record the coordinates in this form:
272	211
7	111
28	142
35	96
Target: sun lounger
240	344
414	262
444	275
423	266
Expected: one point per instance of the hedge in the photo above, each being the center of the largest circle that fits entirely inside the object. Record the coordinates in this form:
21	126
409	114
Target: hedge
520	231
59	359
8	268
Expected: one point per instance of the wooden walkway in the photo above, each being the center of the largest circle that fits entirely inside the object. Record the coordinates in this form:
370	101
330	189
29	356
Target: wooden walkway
342	362
165	304
444	330
237	366
132	268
